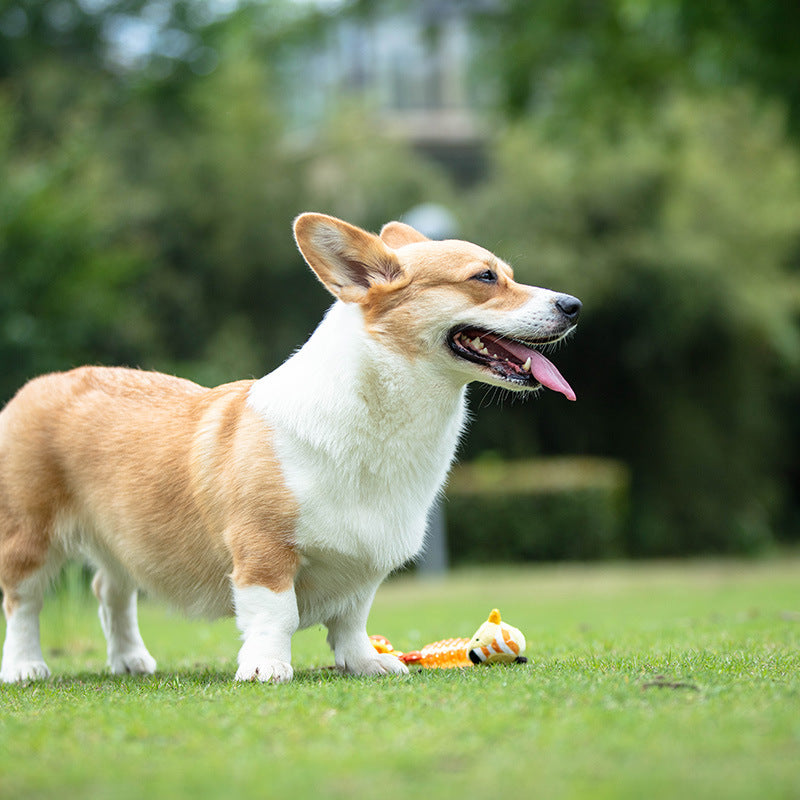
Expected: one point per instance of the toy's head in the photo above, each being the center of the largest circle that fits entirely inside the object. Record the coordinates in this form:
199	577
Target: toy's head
496	641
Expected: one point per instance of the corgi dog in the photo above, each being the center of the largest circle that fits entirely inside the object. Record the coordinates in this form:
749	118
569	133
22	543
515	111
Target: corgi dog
284	501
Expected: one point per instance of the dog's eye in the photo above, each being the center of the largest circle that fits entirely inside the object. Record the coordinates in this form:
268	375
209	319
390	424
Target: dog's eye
487	276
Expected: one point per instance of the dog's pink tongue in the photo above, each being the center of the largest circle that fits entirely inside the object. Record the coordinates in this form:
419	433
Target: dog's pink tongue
546	373
541	367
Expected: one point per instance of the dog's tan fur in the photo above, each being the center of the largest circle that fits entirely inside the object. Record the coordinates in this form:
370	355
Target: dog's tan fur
187	507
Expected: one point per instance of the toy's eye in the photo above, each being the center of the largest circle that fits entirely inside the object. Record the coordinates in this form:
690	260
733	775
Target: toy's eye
487	276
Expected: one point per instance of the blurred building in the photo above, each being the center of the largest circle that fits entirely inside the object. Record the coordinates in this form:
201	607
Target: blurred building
412	67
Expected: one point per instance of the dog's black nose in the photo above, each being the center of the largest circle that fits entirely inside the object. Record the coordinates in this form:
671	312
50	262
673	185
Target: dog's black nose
569	306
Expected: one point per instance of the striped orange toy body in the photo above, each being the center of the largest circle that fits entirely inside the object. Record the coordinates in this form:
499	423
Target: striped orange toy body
443	654
494	642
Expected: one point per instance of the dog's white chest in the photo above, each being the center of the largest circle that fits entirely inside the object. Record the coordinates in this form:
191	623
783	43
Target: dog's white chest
359	518
370	505
364	443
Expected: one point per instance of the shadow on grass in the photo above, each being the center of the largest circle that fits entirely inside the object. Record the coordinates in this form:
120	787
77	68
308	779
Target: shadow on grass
181	678
204	681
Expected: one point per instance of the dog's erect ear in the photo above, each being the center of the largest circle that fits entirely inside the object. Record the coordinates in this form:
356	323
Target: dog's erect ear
396	234
346	259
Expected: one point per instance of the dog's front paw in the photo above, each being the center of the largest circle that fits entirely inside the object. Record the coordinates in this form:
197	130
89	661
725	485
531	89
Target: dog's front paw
266	670
24	671
378	664
137	662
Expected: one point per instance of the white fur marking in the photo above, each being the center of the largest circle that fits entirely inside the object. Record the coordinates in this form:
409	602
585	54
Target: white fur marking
119	619
22	652
347	635
267	621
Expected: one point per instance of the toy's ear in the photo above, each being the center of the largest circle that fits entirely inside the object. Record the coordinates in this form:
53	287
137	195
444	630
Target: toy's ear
348	260
397	234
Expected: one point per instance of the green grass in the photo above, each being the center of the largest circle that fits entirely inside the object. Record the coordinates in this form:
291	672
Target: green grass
646	681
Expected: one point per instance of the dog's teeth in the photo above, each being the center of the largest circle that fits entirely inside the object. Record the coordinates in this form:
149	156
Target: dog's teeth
526	367
477	343
484	352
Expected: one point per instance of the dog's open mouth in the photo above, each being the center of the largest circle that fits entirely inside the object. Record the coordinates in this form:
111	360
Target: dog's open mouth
514	360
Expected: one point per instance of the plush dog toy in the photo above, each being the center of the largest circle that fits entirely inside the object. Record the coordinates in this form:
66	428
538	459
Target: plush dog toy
494	642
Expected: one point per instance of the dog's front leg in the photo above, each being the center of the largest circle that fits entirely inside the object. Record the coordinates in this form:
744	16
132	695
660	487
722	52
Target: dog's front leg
264	600
267	621
354	653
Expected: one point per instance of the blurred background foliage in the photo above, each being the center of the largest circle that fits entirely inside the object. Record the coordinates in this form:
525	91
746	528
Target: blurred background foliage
642	154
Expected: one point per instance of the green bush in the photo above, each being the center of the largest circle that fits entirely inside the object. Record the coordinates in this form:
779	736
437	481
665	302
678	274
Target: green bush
540	509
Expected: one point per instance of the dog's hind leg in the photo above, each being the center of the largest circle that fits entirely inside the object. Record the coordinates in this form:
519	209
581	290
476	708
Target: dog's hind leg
119	618
28	562
22	650
24	583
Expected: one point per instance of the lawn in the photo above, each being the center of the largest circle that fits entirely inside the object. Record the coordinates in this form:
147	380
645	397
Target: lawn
645	681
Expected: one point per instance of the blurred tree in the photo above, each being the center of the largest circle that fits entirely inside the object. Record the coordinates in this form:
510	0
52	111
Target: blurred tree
746	42
580	60
563	55
66	31
222	194
63	269
678	233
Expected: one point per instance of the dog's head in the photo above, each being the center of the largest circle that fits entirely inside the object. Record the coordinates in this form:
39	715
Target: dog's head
448	301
